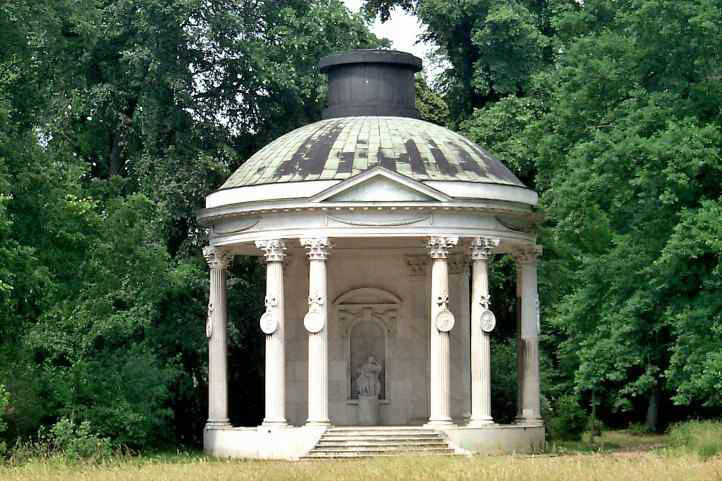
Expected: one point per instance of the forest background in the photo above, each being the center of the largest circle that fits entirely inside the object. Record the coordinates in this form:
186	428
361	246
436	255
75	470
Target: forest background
117	117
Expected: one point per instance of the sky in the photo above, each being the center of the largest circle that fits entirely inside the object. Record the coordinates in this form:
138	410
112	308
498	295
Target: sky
403	30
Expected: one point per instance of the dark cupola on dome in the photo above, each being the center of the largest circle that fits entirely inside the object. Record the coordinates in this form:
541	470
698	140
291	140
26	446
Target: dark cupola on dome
371	82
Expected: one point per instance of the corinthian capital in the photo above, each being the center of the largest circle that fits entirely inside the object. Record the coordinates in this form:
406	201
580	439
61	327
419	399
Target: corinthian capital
318	248
274	250
439	246
482	247
527	255
217	258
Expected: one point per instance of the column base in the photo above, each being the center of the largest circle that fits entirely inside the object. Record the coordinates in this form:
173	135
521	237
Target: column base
535	421
218	424
431	423
274	424
318	423
480	423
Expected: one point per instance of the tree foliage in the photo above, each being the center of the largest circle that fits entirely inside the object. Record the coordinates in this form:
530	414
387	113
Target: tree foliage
117	117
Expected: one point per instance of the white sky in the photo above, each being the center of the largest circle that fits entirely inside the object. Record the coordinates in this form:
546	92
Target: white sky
403	30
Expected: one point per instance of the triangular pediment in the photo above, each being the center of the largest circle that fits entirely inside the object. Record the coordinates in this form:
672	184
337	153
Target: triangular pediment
380	185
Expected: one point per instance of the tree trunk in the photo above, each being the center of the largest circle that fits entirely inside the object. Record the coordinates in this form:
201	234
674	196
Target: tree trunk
115	161
652	422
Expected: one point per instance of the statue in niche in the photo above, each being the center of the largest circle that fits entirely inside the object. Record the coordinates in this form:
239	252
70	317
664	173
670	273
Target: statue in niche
367	378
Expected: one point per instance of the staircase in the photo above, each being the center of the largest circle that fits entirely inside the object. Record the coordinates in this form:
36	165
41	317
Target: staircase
361	442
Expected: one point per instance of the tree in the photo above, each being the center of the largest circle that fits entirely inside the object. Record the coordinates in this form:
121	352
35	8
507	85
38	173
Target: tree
493	47
627	155
116	118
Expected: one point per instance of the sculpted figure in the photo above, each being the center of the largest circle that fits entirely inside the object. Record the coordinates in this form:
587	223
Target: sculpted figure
367	379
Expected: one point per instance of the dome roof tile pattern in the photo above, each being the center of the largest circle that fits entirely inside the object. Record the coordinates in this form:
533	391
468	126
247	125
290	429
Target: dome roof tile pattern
340	148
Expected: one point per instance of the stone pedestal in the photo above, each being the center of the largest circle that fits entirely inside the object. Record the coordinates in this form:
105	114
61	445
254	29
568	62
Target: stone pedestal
368	410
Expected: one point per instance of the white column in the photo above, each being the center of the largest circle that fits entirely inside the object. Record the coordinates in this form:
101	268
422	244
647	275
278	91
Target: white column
316	325
482	323
442	321
216	333
273	324
526	261
519	351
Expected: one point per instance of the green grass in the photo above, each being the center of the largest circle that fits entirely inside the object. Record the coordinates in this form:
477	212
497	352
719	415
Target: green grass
576	467
610	441
615	456
703	438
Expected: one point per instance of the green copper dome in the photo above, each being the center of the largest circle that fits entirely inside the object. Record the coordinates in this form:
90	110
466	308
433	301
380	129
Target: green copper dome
340	148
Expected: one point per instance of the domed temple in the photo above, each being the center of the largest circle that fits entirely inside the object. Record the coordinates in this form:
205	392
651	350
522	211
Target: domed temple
376	228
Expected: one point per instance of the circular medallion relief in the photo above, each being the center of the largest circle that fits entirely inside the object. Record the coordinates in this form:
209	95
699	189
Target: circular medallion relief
487	320
313	322
269	323
445	320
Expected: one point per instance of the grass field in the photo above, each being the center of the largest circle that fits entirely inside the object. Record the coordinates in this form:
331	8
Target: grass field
618	456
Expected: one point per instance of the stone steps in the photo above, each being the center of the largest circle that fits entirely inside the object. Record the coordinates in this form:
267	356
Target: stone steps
356	442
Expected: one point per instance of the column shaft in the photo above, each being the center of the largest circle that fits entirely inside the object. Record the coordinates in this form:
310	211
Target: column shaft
275	405
318	332
439	382
481	249
480	348
519	350
216	331
530	400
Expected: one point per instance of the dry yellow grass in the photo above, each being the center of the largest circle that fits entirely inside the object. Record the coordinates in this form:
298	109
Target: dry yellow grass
579	467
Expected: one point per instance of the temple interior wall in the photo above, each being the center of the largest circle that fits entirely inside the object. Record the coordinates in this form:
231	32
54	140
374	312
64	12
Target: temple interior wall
406	367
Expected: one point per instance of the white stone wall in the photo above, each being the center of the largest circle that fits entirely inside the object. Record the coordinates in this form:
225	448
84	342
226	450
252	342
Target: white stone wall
407	349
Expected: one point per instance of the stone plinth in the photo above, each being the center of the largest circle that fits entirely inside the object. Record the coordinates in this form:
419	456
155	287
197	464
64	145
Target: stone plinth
368	410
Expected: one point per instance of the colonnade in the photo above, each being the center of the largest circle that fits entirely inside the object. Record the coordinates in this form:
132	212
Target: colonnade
442	321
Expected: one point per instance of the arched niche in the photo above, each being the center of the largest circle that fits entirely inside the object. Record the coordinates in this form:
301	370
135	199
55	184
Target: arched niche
367	317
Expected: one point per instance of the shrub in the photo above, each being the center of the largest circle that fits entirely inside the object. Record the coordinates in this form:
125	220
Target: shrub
77	441
701	437
637	429
4	403
568	419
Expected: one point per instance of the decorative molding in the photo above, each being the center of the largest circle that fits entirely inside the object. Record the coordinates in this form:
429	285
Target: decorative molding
408	182
318	247
274	250
315	302
417	264
385	310
390	223
487	320
352	296
527	255
439	245
385	314
209	320
516	224
443	300
236	229
485	301
217	258
482	247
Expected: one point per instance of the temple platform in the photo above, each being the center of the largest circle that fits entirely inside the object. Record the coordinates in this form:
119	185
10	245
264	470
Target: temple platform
312	442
